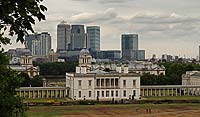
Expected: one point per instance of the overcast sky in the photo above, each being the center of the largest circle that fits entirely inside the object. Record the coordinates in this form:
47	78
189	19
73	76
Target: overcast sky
164	26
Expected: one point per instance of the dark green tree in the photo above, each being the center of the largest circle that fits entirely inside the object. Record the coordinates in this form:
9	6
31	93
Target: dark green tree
17	18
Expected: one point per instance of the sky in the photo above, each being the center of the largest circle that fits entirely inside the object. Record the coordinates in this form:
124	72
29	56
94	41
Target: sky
164	26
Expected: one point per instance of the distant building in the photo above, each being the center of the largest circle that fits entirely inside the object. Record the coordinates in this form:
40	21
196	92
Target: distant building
87	84
21	61
52	56
63	36
140	55
130	49
78	37
191	78
108	54
39	43
93	37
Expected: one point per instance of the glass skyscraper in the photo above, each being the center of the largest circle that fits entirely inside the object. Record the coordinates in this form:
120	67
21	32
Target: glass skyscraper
93	37
129	46
63	36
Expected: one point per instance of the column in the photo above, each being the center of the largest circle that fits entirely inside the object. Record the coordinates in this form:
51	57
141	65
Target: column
110	82
60	93
172	92
176	92
151	92
33	94
159	92
20	93
104	83
142	92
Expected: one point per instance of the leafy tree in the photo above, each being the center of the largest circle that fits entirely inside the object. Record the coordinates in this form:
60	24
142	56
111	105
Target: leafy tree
17	18
56	68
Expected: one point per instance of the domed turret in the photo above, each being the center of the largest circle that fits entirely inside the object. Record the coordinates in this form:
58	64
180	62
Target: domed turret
85	59
84	52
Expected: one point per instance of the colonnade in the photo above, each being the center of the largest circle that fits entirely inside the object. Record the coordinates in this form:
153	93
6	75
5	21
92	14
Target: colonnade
42	92
107	83
176	90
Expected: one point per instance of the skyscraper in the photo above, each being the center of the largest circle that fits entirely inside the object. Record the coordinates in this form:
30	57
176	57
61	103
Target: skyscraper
63	36
39	43
129	46
93	36
78	37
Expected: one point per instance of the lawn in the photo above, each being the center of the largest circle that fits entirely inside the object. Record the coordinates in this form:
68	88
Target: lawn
111	110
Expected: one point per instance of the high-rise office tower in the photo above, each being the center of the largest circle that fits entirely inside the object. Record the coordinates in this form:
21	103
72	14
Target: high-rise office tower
78	37
39	43
93	37
63	36
129	46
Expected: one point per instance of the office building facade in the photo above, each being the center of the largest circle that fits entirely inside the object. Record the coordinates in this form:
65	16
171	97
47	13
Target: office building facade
39	43
78	37
93	38
63	36
129	46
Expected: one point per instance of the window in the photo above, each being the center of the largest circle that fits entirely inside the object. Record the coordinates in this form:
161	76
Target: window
134	92
116	82
116	94
102	93
124	83
79	83
134	82
124	93
90	83
112	93
107	93
90	93
79	94
98	94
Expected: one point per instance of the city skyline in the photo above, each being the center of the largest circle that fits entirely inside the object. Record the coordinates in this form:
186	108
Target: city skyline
158	23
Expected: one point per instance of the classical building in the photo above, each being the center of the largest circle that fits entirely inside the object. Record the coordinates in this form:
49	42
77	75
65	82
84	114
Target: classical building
24	63
191	78
100	85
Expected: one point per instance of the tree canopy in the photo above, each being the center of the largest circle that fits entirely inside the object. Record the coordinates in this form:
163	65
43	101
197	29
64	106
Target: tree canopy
16	18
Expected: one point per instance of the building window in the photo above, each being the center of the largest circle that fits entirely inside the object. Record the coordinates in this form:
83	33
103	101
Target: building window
116	94
116	82
90	83
112	93
124	83
107	93
98	94
79	83
79	94
102	93
134	92
90	93
124	93
134	82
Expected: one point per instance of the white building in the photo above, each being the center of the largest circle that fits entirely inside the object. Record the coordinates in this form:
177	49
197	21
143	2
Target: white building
97	84
191	78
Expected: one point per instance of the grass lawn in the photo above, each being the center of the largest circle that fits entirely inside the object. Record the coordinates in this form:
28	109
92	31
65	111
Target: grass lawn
112	110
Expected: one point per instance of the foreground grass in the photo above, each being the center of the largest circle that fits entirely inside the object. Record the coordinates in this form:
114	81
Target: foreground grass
56	111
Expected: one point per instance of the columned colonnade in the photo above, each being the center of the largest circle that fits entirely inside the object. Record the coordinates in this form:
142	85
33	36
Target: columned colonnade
42	92
170	90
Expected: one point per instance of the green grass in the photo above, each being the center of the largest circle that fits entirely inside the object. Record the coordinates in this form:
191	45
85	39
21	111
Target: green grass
56	111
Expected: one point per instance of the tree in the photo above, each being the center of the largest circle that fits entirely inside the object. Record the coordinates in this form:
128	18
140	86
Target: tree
16	18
